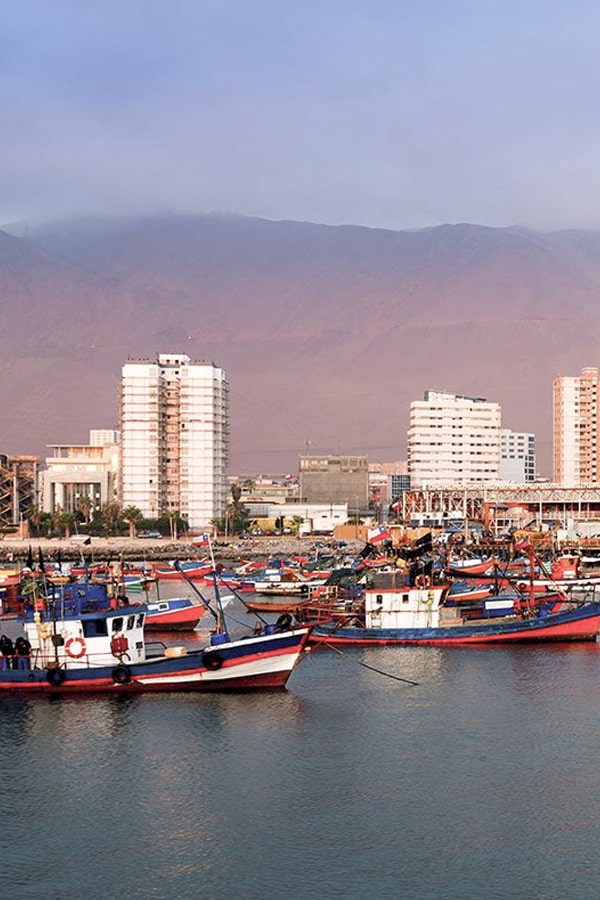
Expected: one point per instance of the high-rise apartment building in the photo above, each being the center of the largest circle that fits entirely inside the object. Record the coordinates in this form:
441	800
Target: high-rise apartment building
453	440
174	423
517	456
576	429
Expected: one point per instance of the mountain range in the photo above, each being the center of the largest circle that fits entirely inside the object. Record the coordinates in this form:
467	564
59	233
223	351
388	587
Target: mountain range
327	333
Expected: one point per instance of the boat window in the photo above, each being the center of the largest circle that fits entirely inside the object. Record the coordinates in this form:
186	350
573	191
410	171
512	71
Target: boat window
405	598
130	622
162	607
140	620
94	628
117	624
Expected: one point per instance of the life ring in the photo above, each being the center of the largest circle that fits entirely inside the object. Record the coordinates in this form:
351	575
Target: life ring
284	621
121	675
55	677
211	659
522	587
75	647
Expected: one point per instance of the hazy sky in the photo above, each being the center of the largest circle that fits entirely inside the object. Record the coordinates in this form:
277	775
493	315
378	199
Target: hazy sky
393	113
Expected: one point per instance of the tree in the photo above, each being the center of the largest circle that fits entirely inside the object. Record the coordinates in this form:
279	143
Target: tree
173	522
84	506
65	522
236	515
112	515
133	516
34	517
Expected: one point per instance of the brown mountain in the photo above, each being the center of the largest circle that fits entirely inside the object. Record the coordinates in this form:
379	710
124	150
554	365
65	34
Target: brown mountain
327	333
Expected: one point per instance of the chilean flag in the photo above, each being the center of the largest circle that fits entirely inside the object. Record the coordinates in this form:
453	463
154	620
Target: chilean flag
203	541
375	535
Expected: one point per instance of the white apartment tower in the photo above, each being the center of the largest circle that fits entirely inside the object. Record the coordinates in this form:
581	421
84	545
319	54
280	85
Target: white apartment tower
453	440
174	438
576	431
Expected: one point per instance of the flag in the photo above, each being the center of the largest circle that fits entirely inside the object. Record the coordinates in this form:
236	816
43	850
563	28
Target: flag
202	541
375	535
397	504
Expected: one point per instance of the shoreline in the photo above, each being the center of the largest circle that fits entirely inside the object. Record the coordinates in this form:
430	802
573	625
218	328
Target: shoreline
136	549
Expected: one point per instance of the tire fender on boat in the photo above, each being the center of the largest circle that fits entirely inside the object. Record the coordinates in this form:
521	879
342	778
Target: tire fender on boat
211	659
121	675
55	677
284	621
75	647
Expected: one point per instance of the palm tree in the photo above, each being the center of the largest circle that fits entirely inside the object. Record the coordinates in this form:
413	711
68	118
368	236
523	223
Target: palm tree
173	520
132	515
65	522
84	506
112	515
34	517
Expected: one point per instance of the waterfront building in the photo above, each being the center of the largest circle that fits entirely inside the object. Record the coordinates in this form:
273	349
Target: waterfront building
517	456
453	440
335	479
174	421
576	428
81	478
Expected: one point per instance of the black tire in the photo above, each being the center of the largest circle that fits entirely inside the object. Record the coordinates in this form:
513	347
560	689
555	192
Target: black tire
121	675
211	659
284	622
304	589
55	677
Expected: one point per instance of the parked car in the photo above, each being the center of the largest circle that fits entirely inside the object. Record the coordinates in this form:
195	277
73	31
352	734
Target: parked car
149	534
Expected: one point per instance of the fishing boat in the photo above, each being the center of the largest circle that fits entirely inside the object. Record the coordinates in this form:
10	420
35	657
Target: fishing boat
286	583
174	614
400	613
77	646
194	569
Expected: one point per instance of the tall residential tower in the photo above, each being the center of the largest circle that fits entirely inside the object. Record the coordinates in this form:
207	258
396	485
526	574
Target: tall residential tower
453	440
174	422
576	411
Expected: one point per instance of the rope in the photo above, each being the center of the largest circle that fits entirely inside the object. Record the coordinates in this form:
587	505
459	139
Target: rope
358	662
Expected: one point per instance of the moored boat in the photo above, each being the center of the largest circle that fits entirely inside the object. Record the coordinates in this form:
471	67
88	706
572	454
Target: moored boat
404	614
80	647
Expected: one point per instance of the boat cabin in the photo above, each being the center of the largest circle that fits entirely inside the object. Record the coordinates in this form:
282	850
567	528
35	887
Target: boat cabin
81	638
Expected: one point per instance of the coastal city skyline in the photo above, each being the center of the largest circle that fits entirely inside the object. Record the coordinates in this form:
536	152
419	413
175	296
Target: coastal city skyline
300	322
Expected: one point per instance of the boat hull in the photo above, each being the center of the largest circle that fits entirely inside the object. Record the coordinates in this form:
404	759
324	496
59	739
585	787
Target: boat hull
580	624
174	615
264	662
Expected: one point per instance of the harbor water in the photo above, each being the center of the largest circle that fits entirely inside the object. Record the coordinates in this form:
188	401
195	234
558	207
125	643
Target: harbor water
481	779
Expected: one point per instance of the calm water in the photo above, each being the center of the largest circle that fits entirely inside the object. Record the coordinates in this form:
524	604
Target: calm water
481	781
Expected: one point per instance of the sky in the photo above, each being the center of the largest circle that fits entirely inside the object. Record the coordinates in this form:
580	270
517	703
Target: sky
386	113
